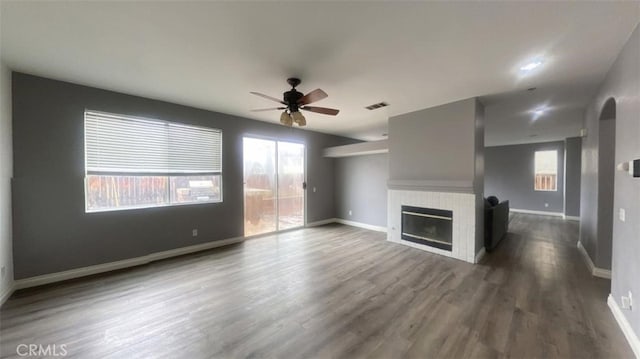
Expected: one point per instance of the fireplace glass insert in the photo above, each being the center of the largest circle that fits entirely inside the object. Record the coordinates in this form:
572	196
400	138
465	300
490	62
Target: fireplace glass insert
427	226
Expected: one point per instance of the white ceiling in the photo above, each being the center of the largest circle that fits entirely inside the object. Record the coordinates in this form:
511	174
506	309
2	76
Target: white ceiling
411	55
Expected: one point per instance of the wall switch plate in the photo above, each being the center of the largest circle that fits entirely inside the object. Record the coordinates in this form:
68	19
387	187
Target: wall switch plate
350	212
622	214
314	190
194	233
626	302
630	301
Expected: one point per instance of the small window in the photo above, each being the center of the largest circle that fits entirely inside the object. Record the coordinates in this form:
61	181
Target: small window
133	162
546	171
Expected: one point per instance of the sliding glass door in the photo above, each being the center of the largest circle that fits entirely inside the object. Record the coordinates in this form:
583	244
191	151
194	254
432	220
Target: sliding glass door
273	185
290	185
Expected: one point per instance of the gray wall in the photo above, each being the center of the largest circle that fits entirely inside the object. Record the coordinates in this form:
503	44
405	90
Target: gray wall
509	175
622	83
606	178
434	144
6	169
361	186
478	181
51	230
572	156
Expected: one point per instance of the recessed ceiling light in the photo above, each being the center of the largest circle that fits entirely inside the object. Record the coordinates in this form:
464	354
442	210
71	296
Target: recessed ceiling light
531	66
539	112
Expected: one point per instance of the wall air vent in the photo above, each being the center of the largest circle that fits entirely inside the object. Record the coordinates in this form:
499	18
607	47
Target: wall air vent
377	105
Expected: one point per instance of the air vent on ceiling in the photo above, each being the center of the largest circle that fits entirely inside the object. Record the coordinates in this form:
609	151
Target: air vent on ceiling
377	105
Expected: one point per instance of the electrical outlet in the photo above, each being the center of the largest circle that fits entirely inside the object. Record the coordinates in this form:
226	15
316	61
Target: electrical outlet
194	232
350	212
622	214
546	204
314	190
627	302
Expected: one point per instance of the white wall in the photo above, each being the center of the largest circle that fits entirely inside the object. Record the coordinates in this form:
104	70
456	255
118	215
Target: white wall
6	172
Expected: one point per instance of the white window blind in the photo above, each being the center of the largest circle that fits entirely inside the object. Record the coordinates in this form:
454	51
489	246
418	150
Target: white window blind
124	144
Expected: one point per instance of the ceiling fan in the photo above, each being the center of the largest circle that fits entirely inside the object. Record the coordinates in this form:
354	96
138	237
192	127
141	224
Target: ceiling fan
295	101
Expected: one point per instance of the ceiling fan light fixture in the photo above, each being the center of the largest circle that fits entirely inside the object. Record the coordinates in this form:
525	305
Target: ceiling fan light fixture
286	119
299	118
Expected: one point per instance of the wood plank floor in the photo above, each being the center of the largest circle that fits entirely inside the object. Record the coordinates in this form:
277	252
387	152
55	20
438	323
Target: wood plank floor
333	291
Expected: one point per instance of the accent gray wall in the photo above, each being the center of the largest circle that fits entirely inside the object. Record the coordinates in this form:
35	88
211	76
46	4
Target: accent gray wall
573	160
52	232
622	83
436	144
606	178
6	172
361	186
478	180
509	175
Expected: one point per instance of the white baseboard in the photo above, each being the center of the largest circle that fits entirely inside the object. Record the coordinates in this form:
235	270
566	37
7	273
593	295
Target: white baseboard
361	225
6	293
601	273
542	213
107	267
572	218
480	255
624	325
595	271
322	222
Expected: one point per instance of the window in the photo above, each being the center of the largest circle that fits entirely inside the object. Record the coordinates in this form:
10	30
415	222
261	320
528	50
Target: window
546	171
133	162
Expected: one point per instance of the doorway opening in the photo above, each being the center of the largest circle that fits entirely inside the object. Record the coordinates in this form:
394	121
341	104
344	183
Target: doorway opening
274	185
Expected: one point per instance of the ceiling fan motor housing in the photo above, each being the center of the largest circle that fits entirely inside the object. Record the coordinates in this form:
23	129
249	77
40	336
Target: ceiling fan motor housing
291	98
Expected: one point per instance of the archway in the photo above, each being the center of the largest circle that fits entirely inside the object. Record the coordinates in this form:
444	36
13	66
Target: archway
606	175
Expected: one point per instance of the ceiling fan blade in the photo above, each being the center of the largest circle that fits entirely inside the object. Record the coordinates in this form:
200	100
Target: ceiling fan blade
322	110
268	109
313	96
267	97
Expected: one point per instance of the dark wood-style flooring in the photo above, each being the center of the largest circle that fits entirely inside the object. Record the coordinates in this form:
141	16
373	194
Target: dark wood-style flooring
333	291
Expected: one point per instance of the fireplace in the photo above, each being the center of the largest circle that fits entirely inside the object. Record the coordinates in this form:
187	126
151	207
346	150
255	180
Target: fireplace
427	226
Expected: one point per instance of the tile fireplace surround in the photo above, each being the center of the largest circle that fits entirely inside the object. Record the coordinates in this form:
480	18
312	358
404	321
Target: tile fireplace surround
463	206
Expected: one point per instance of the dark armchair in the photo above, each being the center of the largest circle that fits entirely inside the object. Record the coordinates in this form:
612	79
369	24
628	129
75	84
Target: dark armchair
496	222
